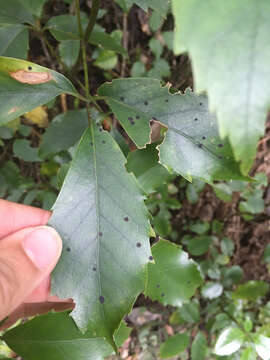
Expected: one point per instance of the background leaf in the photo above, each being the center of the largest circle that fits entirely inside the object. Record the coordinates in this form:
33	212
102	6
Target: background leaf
173	278
262	346
14	41
232	64
251	290
102	219
16	98
192	146
13	12
199	347
229	341
174	345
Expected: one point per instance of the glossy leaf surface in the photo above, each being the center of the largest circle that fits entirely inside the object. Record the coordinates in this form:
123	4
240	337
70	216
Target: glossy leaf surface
262	346
14	41
230	60
14	12
199	347
55	336
101	216
24	86
192	146
229	341
173	278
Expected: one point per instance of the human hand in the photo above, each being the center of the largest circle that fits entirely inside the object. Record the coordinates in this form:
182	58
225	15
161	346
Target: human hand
28	253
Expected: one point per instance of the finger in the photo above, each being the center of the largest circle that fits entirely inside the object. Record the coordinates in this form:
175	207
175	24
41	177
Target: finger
26	258
41	293
26	310
14	217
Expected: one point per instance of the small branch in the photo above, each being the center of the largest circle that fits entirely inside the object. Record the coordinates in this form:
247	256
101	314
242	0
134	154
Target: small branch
92	20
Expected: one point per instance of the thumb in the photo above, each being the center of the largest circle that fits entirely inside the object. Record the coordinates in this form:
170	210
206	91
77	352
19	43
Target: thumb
26	258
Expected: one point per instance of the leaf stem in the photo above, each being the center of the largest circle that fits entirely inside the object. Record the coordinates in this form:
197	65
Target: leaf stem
92	20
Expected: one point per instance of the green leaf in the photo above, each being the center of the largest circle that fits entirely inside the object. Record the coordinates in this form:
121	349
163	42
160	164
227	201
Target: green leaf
223	192
63	132
266	254
192	146
105	230
145	166
232	275
262	346
65	27
106	60
227	246
34	7
199	245
199	347
251	290
212	290
229	341
55	336
174	345
13	12
69	51
16	97
14	41
190	312
23	150
249	354
225	51
173	278
160	6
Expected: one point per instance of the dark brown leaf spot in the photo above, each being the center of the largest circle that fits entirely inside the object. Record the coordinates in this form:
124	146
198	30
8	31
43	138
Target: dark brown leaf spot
100	129
103	142
122	98
200	146
137	117
101	299
204	137
162	294
200	104
100	233
146	103
167	100
126	218
68	249
138	244
151	258
29	68
94	268
220	145
158	286
196	119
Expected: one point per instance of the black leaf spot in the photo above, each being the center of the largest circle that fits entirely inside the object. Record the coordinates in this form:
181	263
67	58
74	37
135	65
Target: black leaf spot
29	67
220	156
167	100
101	299
158	286
146	103
68	249
137	117
138	244
200	104
94	268
162	294
204	137
122	98
151	258
103	142
220	145
200	146
100	129
91	143
126	218
196	119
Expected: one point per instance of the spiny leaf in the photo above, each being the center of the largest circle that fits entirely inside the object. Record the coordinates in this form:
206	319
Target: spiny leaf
101	216
231	61
173	278
192	146
24	86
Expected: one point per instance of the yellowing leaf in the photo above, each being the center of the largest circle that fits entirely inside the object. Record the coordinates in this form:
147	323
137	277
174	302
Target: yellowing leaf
38	116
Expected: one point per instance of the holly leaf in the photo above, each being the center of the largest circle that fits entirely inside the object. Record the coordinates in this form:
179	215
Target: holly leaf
101	216
230	60
24	86
56	336
192	145
172	277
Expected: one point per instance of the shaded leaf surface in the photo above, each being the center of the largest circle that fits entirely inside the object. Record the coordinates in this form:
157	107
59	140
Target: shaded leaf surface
160	6
23	150
232	64
14	41
199	347
16	98
55	336
173	278
13	12
192	146
251	290
174	345
63	132
103	222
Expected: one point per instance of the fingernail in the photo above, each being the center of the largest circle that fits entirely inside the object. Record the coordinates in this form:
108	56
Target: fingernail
42	246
